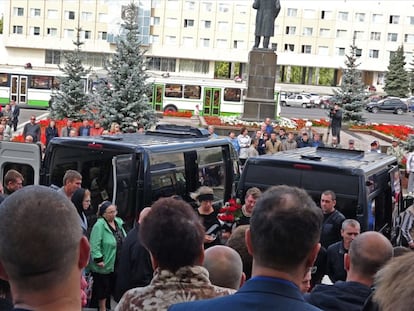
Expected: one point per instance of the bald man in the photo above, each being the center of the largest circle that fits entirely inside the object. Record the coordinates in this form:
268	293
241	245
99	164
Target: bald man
367	254
224	266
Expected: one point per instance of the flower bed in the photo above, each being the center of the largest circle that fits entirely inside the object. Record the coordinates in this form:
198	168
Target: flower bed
399	131
179	114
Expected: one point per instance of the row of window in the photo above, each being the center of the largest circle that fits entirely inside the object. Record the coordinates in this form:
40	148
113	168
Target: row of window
203	42
169	65
88	58
54	14
205	6
53	32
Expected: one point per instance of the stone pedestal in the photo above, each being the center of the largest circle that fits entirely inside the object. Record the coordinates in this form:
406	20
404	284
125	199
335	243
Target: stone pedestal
259	102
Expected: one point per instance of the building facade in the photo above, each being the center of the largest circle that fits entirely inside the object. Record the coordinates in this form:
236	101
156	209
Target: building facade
193	37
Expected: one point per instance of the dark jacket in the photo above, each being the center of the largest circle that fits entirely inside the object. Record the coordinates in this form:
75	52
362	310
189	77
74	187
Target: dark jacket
50	133
267	11
336	117
87	130
331	228
135	268
335	262
342	296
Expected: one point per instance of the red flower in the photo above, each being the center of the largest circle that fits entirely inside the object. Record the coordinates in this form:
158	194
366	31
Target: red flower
231	211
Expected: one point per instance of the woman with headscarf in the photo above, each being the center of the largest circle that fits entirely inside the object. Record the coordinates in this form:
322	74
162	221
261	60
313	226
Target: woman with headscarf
106	241
81	198
205	196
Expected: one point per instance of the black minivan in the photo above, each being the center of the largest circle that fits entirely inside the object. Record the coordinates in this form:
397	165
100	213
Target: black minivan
364	183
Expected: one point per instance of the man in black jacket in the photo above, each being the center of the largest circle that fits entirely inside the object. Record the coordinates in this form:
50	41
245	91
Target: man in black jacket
332	219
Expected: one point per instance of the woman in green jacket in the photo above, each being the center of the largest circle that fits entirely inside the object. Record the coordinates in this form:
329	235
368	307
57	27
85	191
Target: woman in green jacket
106	241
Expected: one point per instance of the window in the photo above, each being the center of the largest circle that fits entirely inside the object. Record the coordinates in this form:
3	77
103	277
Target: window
70	15
290	30
188	65
188	42
223	7
392	37
211	170
232	94
102	35
223	26
18	11
373	53
341	33
323	50
156	21
192	91
171	40
274	46
207	24
207	6
306	49
240	27
173	90
18	29
377	18
51	32
221	43
52	57
188	23
204	42
410	20
103	17
324	32
34	31
52	14
88	34
239	44
307	31
171	22
41	82
394	19
190	5
358	34
68	33
161	64
308	13
375	36
326	15
86	16
289	47
340	51
358	52
292	12
409	38
34	12
360	17
241	9
4	79
343	16
155	39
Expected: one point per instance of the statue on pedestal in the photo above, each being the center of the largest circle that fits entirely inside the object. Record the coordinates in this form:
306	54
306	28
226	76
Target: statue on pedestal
267	11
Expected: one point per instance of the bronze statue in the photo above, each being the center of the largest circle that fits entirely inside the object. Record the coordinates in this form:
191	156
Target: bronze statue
267	11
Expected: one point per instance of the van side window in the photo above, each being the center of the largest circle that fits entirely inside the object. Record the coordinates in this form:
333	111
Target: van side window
211	170
24	169
168	175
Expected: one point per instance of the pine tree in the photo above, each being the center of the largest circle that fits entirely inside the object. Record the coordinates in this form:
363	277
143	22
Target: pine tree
71	101
125	101
351	91
397	80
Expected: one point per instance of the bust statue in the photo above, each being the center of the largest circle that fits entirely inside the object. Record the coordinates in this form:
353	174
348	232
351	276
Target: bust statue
267	11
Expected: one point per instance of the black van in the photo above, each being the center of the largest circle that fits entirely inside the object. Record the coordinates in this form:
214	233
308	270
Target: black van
363	182
132	170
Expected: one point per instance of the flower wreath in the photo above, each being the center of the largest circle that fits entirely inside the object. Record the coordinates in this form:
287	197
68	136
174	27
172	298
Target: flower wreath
231	211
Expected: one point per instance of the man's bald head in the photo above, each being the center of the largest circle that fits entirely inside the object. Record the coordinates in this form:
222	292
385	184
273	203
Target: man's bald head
224	266
369	252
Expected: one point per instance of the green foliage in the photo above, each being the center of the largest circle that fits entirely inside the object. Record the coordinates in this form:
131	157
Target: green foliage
125	101
326	76
221	70
70	101
397	79
1	25
351	91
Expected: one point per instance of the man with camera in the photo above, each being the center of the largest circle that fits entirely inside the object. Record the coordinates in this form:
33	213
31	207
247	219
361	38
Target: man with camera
336	121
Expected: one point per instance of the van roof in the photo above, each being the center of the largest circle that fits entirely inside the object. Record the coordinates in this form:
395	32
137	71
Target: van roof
329	158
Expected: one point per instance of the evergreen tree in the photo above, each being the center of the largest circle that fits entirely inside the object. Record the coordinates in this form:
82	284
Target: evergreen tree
397	80
351	91
125	101
71	101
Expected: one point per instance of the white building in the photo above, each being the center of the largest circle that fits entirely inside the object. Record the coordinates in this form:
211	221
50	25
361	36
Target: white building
189	37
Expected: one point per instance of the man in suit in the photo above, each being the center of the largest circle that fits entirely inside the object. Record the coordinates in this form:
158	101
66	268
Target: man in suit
85	129
15	112
284	240
66	130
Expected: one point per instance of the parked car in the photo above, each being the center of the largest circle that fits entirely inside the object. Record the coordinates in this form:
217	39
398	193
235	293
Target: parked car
395	105
410	103
326	102
298	100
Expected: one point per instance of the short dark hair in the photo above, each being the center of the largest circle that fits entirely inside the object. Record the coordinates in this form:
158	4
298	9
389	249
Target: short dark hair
285	226
173	233
331	193
12	176
40	253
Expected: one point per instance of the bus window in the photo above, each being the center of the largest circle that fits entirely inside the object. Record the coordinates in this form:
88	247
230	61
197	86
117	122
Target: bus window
232	94
56	83
4	79
40	82
192	91
173	90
